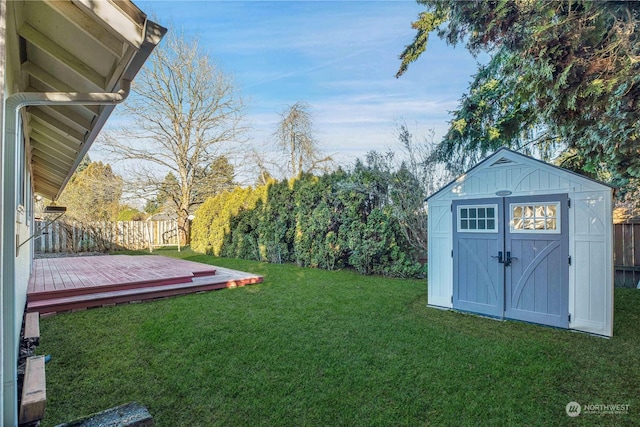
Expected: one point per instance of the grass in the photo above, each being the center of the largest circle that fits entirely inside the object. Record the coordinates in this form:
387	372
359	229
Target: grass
312	347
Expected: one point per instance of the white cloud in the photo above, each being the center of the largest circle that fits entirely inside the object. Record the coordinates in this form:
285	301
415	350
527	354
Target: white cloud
340	57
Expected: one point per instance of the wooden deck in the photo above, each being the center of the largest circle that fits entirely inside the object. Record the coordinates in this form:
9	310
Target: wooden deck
74	283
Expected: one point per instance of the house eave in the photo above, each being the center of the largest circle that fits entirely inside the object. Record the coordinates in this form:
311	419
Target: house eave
154	33
102	43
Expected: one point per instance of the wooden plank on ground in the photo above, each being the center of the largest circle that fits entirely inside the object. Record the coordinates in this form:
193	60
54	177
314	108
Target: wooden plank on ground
34	391
32	326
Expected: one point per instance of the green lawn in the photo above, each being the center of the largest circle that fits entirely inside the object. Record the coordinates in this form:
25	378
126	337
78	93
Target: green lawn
318	348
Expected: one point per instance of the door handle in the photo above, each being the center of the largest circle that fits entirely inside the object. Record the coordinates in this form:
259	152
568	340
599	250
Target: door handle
507	261
500	260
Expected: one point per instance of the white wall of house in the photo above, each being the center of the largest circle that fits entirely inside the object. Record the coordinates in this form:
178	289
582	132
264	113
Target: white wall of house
3	87
15	225
590	231
24	230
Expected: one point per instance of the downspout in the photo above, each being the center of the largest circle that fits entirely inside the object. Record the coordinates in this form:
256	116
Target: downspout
3	30
13	106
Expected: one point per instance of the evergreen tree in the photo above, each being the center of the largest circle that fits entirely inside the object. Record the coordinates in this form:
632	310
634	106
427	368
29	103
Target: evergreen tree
561	76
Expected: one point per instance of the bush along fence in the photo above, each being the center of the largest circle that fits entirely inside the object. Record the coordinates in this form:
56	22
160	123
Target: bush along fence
66	237
338	220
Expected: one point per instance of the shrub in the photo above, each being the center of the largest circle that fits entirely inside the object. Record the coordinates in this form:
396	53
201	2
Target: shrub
276	229
212	222
333	221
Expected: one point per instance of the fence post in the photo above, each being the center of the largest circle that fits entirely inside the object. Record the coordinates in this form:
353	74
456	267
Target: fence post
63	238
36	240
49	238
56	232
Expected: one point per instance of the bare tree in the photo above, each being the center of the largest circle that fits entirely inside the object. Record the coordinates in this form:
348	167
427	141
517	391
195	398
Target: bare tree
419	176
295	136
421	159
263	167
188	115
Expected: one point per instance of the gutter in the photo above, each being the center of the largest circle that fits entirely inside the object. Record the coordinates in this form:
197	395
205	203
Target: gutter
13	106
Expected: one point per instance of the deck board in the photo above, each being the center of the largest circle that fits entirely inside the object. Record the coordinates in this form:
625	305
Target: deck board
60	284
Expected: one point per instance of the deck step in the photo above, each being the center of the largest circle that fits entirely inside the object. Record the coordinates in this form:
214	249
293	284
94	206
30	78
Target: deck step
200	284
204	273
88	290
70	276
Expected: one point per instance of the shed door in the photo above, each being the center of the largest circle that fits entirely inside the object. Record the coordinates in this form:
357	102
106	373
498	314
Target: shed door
478	238
537	278
510	258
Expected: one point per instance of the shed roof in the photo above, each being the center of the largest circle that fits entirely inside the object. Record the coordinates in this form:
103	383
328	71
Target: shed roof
506	158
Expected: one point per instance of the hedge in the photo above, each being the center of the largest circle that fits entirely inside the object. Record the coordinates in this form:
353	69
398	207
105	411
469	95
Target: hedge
338	220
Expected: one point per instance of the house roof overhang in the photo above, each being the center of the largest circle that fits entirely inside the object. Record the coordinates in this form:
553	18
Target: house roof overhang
80	46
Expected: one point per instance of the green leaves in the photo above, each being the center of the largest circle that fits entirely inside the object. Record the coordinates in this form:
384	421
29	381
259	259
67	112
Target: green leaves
334	221
562	75
426	23
93	194
213	220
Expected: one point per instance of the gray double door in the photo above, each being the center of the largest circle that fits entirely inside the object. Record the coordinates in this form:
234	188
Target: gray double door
511	258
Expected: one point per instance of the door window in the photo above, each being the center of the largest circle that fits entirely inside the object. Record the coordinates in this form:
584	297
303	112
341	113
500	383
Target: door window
478	218
535	218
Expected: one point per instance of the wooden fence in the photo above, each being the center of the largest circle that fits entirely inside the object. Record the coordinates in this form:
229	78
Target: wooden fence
626	254
61	236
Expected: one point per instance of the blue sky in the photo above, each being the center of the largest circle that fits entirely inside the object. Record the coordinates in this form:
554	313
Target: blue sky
338	56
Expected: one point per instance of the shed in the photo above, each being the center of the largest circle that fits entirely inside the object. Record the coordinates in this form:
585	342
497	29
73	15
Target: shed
518	238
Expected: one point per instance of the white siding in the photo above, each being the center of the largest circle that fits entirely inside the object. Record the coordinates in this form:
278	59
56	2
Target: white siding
440	273
3	90
24	218
522	176
591	290
23	264
22	271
